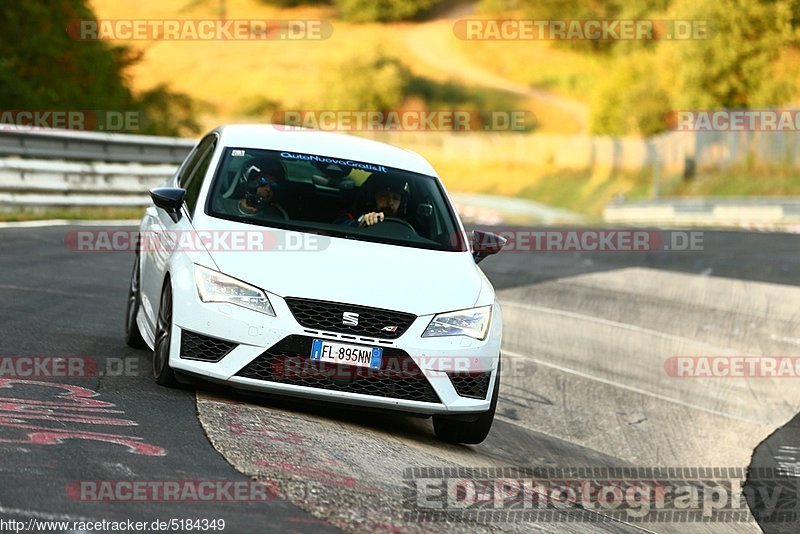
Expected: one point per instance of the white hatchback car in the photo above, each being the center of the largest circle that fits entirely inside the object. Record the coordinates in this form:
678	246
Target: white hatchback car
323	266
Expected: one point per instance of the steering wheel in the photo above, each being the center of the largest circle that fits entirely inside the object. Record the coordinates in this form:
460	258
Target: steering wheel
401	222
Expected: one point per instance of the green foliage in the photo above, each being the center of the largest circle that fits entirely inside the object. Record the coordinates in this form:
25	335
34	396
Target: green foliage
293	3
42	67
370	81
371	10
384	10
376	81
632	99
733	69
737	66
168	113
577	10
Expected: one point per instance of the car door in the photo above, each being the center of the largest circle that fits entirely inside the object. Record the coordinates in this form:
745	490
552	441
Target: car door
161	232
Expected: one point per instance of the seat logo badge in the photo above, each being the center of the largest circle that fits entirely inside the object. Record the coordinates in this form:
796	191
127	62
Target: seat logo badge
391	329
350	319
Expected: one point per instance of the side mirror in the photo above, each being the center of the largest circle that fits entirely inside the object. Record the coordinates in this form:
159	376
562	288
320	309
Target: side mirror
485	244
170	199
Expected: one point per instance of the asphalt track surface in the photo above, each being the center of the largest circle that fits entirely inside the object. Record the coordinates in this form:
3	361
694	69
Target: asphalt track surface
586	340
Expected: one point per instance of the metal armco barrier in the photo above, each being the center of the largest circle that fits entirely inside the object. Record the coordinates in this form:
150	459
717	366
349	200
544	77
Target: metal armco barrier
91	146
59	168
766	211
62	168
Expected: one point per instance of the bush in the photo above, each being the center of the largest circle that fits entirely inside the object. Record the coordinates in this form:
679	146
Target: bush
293	3
734	68
384	10
168	113
632	100
370	81
43	68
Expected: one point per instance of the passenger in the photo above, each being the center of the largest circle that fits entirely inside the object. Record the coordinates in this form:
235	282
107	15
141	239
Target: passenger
260	198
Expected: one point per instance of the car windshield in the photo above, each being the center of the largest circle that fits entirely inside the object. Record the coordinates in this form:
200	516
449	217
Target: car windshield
335	197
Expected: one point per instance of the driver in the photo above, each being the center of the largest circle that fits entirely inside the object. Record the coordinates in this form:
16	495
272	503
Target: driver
386	201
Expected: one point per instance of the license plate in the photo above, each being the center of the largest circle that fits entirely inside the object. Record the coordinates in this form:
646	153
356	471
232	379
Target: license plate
346	354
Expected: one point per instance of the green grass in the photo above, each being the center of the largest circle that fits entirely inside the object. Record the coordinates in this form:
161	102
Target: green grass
578	191
71	214
540	64
741	182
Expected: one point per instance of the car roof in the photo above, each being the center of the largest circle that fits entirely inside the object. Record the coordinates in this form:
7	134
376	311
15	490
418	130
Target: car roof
307	141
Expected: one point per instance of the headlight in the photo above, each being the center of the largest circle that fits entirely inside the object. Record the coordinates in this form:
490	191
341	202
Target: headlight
473	323
216	287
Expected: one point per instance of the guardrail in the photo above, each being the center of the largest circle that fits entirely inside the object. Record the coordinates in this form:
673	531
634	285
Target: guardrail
751	211
63	168
40	183
92	146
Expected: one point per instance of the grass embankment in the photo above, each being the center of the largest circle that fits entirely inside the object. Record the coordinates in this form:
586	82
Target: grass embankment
233	79
242	80
76	214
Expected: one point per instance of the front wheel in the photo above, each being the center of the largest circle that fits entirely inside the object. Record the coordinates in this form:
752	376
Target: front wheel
455	429
133	336
162	371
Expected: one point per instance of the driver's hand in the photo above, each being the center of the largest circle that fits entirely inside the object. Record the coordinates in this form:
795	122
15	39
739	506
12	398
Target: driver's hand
373	217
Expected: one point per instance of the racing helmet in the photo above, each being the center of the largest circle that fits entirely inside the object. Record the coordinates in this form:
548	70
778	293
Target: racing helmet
257	174
382	182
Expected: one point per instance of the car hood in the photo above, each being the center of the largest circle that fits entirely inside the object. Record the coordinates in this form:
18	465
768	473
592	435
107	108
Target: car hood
392	277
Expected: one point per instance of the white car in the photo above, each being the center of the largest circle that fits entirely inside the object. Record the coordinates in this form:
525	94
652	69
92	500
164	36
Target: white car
323	266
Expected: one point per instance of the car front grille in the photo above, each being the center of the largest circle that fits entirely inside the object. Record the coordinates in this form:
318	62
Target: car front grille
473	385
204	348
289	362
336	317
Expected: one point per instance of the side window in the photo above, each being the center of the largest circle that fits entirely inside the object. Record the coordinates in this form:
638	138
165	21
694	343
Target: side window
191	162
195	179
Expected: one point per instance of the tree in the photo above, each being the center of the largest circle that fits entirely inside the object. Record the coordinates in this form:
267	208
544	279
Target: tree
43	66
371	81
633	99
384	10
733	68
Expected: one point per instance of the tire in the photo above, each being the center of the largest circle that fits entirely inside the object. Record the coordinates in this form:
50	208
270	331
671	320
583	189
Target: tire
457	429
162	372
133	337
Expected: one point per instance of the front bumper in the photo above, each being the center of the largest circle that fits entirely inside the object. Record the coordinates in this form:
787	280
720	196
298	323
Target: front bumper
247	335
